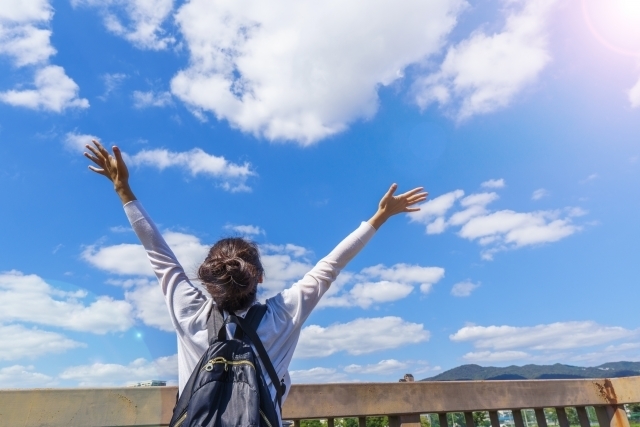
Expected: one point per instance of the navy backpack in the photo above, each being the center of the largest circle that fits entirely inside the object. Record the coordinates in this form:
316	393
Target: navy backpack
227	387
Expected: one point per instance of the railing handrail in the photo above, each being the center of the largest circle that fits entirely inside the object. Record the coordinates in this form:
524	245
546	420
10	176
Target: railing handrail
147	406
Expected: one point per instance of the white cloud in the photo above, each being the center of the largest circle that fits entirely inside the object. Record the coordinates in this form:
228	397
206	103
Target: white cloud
484	72
151	99
437	207
150	306
142	23
54	91
269	69
111	374
463	289
18	342
496	231
26	44
26	39
613	353
131	259
539	194
22	36
111	82
360	336
77	141
18	376
317	376
130	283
365	294
283	265
245	230
384	367
196	161
25	11
378	284
590	178
125	258
507	229
634	95
496	356
28	298
475	205
493	183
405	273
553	336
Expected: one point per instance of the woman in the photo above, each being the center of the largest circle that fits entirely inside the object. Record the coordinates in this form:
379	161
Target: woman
231	274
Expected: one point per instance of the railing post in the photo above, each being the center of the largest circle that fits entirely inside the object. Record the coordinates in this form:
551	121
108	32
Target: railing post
296	423
612	416
517	417
330	422
495	420
562	417
468	419
541	419
362	421
408	420
442	417
583	416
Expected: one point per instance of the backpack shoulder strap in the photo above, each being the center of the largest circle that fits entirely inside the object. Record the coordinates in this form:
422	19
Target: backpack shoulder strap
215	321
249	325
254	315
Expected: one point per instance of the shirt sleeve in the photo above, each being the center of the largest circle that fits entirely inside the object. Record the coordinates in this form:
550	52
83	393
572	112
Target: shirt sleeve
301	298
185	302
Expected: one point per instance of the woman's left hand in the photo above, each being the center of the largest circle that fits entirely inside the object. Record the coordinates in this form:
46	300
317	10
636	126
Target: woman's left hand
392	205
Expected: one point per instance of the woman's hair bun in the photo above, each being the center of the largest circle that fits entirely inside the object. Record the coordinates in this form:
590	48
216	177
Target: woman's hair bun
231	273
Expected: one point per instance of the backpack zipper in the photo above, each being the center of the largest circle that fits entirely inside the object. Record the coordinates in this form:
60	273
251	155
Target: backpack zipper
181	420
264	417
221	360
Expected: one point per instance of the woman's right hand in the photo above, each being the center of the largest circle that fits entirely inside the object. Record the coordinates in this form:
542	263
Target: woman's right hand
111	166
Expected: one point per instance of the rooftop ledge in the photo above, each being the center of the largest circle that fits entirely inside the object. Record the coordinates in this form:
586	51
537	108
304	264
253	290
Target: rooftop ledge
402	402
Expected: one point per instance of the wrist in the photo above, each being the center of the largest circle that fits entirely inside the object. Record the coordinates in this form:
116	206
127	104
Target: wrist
378	219
124	192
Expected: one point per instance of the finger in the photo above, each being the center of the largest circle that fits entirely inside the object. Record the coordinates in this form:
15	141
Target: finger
414	201
94	151
391	190
417	197
98	170
118	155
411	209
412	192
93	159
97	144
103	151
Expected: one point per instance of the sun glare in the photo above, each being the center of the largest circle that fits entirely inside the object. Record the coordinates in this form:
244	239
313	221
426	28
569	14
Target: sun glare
615	23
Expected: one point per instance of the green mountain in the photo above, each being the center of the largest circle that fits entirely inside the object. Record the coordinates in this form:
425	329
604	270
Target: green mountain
538	372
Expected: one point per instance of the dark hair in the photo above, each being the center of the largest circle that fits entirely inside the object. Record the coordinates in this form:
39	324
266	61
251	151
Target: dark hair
231	273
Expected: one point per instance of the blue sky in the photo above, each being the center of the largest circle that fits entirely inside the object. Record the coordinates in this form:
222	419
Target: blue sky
286	122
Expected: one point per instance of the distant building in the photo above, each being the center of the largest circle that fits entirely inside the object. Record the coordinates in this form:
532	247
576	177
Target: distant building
150	383
408	378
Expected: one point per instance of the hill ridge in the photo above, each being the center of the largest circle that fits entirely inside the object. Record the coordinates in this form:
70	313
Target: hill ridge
531	371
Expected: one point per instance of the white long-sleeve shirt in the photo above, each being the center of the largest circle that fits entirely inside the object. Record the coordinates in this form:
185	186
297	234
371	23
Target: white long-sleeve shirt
286	312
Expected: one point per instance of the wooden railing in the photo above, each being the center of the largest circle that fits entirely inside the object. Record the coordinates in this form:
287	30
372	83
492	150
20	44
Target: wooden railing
403	403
